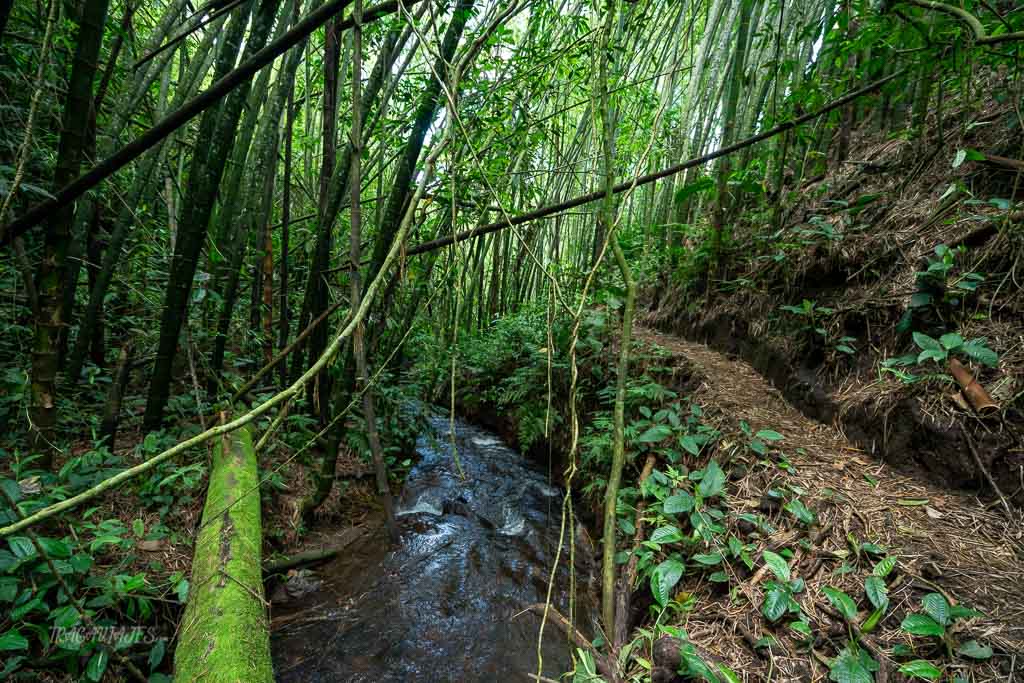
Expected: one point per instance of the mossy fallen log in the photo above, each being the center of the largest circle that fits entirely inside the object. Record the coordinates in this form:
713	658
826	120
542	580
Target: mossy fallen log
224	635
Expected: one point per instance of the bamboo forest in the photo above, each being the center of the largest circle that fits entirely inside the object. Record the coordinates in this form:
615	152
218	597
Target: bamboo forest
582	341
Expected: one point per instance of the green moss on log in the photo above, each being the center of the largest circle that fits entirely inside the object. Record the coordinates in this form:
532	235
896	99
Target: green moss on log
224	636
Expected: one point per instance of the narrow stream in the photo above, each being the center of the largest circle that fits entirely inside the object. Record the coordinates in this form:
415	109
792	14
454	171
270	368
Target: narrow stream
446	603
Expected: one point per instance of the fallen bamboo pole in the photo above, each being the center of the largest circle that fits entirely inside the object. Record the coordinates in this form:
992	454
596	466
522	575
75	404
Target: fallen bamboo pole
278	399
224	634
544	211
975	393
188	111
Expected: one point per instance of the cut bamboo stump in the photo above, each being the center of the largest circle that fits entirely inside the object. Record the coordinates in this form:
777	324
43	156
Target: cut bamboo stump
224	636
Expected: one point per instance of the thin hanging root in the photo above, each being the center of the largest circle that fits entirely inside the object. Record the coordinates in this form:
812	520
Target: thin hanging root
543	610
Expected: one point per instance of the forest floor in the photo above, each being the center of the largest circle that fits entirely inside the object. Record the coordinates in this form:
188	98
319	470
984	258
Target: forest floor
945	542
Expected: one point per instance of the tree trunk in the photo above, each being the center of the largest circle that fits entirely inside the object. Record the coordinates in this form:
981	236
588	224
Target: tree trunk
286	202
112	407
213	143
722	203
50	321
320	388
88	209
234	224
338	187
355	235
126	218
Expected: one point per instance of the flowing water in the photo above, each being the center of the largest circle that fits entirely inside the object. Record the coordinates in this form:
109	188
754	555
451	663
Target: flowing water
446	603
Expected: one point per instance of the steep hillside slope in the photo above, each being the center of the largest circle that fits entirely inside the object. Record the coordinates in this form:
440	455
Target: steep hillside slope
910	239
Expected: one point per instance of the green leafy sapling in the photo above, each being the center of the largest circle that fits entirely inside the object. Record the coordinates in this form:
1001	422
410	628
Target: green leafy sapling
779	595
939	351
937	621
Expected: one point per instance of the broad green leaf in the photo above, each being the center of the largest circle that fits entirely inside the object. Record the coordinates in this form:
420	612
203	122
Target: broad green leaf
55	548
182	591
796	508
666	534
922	625
961	612
975	650
959	158
776	603
655	434
936	607
21	547
800	627
878	594
842	602
920	299
978	351
680	502
690	445
97	665
728	674
65	617
951	340
920	668
13	640
872	621
664	578
872	548
925	342
708	559
8	588
713	483
156	655
931	354
848	667
777	564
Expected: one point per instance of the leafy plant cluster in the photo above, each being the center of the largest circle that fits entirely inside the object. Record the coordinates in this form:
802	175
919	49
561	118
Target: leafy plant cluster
813	317
938	351
94	564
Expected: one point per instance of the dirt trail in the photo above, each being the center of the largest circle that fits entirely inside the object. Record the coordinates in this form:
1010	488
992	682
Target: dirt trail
944	539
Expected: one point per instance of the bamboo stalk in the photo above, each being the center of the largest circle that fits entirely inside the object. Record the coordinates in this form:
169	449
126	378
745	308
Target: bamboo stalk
225	634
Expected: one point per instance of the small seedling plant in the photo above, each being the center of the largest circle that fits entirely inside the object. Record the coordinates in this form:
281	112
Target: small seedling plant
939	351
936	623
779	594
812	315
